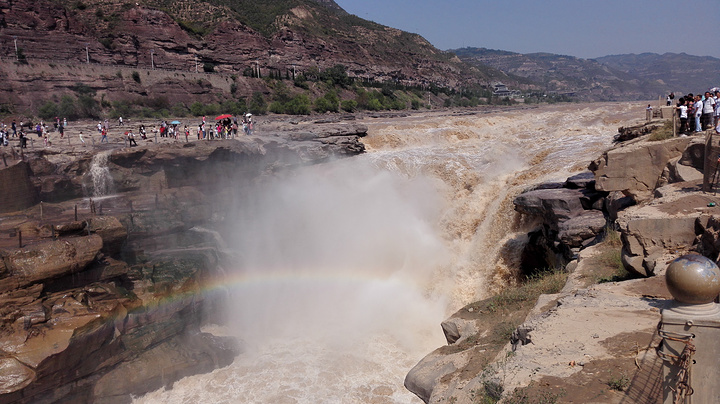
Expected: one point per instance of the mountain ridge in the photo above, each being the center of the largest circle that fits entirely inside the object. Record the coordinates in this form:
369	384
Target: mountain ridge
608	78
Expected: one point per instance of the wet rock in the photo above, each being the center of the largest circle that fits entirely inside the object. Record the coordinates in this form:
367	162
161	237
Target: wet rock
164	364
15	375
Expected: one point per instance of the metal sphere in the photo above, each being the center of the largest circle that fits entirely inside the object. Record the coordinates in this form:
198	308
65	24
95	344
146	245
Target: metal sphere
693	279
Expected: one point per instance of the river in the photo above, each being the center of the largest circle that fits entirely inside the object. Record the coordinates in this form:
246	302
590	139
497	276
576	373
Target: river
343	271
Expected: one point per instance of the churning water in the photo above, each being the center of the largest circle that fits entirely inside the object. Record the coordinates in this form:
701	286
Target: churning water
345	270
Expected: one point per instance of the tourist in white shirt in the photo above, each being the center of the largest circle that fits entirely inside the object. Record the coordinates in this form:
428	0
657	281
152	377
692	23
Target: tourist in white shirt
708	111
698	113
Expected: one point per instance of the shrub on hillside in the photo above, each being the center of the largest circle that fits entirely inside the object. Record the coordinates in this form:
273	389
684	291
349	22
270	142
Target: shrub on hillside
257	105
349	105
48	110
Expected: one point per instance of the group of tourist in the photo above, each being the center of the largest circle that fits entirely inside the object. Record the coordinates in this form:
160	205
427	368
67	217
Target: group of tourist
698	112
225	128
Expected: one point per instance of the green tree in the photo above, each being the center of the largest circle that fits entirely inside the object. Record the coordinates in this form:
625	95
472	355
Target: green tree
88	106
299	105
197	108
349	105
48	110
67	108
257	106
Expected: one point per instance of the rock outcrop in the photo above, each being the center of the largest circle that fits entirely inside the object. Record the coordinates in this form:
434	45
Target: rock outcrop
651	192
635	168
571	217
103	298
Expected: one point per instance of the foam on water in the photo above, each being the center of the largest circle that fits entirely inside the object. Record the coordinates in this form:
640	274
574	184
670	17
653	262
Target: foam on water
355	263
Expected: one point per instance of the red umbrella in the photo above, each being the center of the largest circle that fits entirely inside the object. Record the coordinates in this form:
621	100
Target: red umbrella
223	116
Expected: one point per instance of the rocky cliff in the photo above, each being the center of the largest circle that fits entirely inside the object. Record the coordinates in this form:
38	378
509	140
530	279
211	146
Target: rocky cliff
104	296
575	342
195	36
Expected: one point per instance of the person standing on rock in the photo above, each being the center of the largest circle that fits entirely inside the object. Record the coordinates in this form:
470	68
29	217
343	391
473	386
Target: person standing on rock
120	121
80	135
64	123
104	138
716	117
698	107
131	139
708	111
683	111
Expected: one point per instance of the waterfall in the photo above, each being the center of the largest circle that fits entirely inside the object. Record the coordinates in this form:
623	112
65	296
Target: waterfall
345	270
101	181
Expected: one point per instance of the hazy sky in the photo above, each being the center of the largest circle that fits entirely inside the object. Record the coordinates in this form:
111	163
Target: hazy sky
581	28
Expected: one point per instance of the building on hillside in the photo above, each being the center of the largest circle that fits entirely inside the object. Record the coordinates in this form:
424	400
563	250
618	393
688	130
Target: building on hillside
501	90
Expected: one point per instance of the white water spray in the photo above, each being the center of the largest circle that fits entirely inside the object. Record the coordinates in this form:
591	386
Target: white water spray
348	268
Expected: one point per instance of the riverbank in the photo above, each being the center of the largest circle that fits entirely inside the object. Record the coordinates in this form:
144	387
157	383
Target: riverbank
590	342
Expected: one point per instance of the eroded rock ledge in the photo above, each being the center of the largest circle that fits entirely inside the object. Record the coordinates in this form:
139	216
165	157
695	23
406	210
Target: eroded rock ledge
103	298
649	191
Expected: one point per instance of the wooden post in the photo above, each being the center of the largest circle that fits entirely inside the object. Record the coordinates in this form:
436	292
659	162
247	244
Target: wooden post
76	212
19	239
41	210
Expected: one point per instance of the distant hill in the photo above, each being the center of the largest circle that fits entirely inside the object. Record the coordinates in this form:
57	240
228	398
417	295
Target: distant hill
620	77
679	72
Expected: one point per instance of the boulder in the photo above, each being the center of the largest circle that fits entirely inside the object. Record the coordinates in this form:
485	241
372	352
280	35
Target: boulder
708	228
636	168
576	230
554	205
584	179
678	172
615	202
644	237
694	154
425	377
457	329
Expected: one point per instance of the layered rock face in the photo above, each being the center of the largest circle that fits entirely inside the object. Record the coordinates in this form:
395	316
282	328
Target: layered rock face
663	178
117	38
103	298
